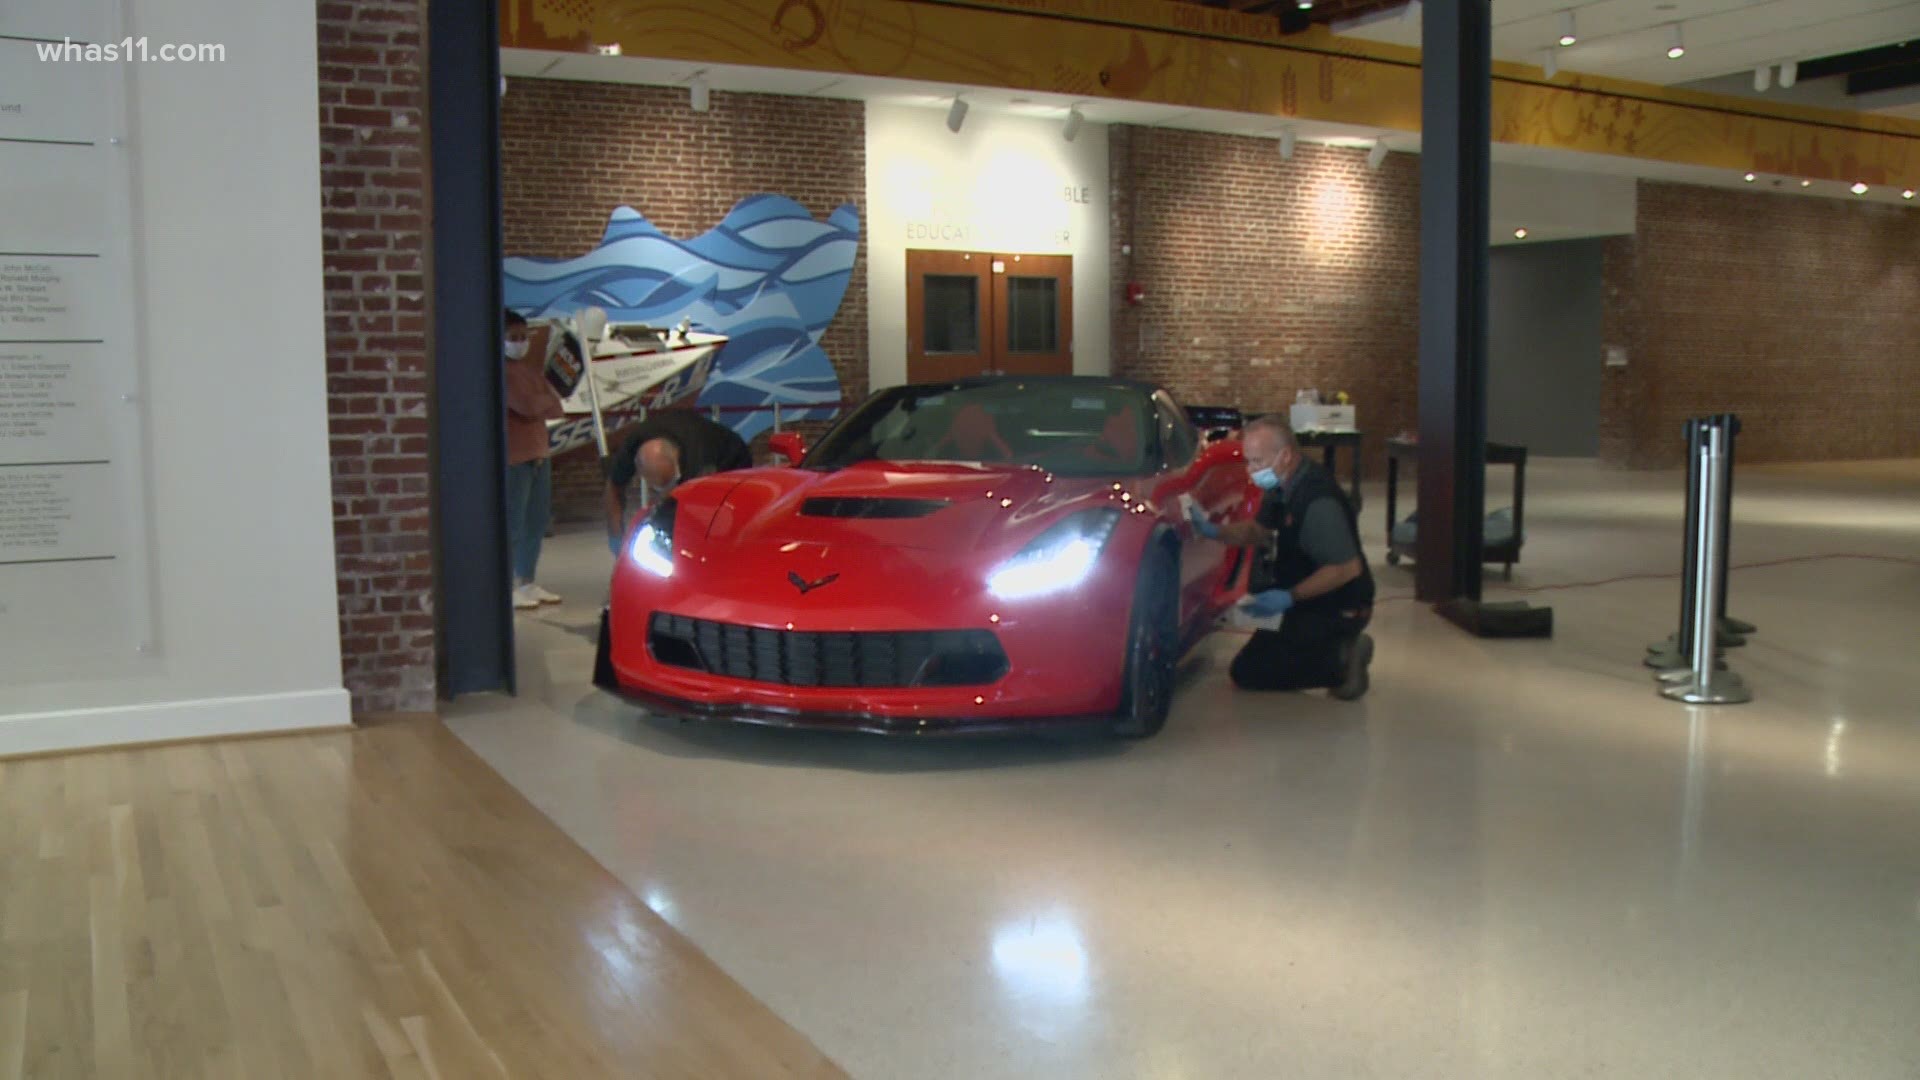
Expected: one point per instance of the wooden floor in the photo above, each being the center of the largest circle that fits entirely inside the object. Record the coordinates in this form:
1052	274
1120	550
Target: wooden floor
369	903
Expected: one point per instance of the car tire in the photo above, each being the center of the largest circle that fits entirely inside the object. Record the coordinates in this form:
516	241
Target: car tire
1153	632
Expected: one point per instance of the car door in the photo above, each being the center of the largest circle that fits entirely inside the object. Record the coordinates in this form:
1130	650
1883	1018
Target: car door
1182	473
1214	476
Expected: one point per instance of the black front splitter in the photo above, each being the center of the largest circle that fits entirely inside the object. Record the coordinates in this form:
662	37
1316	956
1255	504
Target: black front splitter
607	679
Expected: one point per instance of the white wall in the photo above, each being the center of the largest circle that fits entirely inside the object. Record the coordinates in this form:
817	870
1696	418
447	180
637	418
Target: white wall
1000	186
1554	204
228	274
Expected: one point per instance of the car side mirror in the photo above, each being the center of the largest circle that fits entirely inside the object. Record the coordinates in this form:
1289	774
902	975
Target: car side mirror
1220	452
788	445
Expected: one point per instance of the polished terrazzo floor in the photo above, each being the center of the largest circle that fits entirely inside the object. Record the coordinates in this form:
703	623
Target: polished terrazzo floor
1511	860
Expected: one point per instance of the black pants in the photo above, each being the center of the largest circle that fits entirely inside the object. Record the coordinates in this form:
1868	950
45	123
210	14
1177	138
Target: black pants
1306	653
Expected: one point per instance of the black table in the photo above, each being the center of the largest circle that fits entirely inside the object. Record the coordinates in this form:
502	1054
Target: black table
1329	444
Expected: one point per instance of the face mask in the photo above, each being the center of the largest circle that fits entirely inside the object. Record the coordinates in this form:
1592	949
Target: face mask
1266	479
516	349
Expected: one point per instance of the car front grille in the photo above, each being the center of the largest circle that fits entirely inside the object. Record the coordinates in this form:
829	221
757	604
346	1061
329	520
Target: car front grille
890	658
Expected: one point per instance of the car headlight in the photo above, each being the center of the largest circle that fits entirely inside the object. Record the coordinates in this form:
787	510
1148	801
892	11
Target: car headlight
652	544
1057	559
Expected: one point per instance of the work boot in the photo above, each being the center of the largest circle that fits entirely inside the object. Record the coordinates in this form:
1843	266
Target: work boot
1358	658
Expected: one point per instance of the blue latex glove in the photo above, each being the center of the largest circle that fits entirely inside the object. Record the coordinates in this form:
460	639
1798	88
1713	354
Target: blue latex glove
1200	523
1267	604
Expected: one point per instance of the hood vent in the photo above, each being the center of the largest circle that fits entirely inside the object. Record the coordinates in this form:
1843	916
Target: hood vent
873	508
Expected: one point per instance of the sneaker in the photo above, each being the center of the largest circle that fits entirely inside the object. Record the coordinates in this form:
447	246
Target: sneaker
543	595
524	599
1359	657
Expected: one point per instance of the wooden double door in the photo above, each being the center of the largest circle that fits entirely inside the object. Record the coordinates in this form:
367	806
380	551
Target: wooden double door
974	313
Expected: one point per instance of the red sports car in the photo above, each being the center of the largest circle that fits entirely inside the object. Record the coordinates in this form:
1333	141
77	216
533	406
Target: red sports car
994	553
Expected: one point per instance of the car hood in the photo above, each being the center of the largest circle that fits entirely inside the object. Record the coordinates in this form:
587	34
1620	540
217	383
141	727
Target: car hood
945	506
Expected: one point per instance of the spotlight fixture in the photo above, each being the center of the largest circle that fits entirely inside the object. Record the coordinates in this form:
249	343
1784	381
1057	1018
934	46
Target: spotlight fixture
956	114
1762	78
700	94
608	50
1789	74
1806	183
1859	189
1677	45
1305	5
1075	119
1567	35
1520	234
1550	64
1907	194
1377	156
1288	139
1750	178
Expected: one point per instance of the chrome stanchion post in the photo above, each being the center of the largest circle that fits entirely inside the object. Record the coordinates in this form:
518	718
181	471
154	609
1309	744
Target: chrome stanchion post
1709	686
1675	654
1730	629
776	418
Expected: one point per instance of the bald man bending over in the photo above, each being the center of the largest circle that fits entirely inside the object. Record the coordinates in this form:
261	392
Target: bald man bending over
668	447
1312	572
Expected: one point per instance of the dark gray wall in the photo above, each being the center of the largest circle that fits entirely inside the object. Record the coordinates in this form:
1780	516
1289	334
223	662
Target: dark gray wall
1544	349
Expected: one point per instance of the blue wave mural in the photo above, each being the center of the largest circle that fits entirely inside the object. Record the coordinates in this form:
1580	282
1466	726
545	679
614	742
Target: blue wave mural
769	276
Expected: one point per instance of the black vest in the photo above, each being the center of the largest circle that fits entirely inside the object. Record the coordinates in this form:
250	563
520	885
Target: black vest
1287	564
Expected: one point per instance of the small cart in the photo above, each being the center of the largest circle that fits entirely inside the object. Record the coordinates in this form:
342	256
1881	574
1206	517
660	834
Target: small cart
1504	531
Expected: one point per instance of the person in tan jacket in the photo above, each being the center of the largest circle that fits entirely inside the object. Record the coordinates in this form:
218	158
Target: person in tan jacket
530	404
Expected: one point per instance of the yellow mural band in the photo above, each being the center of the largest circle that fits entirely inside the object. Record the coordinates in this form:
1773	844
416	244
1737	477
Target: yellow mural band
1195	57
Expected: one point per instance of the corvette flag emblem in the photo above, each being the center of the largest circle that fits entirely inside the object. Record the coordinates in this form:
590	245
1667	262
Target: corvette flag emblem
806	586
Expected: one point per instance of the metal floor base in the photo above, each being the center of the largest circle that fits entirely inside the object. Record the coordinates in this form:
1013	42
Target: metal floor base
1720	688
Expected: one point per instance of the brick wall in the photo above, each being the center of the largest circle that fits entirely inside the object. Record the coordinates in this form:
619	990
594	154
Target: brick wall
1264	276
572	151
373	184
1800	314
1622	390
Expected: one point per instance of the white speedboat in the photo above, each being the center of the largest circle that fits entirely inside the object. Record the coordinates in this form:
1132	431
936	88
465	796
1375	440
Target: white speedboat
635	367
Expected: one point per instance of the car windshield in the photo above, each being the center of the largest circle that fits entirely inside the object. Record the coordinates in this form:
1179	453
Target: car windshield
1071	428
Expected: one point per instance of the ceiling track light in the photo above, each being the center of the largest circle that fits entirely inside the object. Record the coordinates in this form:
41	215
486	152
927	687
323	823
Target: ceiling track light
1762	78
1859	189
956	114
1520	233
1075	120
699	94
1676	44
1377	156
1750	178
1288	140
1305	5
1567	34
1907	194
1789	74
1806	183
1550	63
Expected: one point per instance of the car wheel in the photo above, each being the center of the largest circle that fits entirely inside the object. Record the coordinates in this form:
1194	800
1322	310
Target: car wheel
1152	651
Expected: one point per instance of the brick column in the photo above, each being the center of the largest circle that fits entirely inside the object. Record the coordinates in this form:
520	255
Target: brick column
373	176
